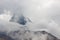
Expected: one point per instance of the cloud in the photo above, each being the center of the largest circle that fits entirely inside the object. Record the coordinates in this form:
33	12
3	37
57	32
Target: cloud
41	12
6	15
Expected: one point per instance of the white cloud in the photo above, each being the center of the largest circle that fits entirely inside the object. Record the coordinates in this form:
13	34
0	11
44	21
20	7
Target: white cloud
5	16
41	12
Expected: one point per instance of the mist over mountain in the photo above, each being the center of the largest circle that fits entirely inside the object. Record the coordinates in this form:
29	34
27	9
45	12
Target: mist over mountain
28	35
31	15
20	20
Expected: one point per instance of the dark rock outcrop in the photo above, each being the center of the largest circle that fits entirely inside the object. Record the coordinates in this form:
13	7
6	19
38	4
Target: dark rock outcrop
3	36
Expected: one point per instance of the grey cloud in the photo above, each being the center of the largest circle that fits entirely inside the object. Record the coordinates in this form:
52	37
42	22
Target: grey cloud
41	12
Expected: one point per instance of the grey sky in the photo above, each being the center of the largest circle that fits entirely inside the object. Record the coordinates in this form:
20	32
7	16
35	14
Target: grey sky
43	13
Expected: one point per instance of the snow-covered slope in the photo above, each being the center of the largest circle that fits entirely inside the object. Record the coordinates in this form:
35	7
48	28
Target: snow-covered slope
19	32
9	26
32	35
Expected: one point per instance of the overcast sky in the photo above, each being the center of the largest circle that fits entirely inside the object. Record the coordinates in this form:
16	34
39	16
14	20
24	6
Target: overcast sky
44	14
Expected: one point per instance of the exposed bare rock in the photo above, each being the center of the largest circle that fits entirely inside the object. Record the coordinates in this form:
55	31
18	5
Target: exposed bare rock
4	36
32	35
